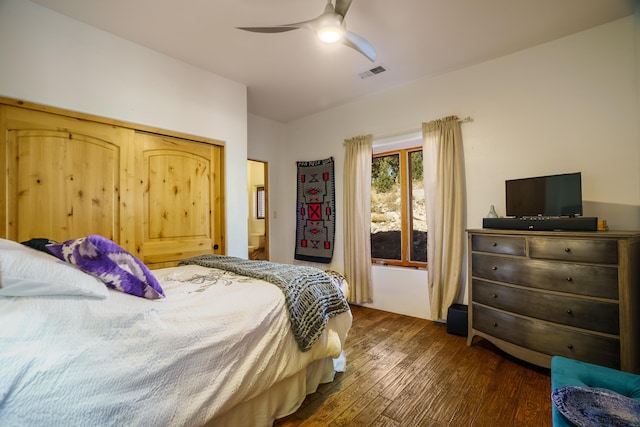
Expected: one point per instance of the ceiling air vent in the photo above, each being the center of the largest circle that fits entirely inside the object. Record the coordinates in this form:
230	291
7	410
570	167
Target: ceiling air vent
372	72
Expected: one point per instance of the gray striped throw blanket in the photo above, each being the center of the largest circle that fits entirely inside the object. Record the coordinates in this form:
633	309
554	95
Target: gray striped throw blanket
310	295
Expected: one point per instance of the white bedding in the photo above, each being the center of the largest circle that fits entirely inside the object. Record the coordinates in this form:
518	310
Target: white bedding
215	342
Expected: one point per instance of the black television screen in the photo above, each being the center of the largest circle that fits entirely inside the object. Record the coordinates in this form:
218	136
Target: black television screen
553	195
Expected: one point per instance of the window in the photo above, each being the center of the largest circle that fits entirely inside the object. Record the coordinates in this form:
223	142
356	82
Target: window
260	208
398	217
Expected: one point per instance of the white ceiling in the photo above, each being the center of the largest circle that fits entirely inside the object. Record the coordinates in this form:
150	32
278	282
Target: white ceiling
290	75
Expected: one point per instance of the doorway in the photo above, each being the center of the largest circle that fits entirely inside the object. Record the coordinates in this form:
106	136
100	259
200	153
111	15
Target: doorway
258	223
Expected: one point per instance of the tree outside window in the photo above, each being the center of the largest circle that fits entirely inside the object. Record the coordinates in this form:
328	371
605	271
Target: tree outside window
398	218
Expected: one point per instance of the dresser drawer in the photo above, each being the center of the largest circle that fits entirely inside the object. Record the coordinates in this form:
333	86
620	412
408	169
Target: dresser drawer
574	250
547	338
579	312
582	279
508	245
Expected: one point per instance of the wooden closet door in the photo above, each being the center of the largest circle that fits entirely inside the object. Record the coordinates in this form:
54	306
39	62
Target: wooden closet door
181	199
66	178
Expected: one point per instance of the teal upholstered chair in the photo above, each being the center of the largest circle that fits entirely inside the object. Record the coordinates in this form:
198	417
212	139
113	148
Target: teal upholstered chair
569	372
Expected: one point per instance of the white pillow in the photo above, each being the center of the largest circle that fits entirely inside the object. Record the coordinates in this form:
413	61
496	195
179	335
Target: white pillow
28	272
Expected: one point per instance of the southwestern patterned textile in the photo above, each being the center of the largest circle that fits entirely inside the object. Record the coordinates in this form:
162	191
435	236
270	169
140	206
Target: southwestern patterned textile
315	215
310	294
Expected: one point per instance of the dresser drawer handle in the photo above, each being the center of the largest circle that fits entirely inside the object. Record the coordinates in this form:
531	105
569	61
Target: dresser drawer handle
569	279
569	312
494	244
494	296
567	250
494	268
570	346
494	324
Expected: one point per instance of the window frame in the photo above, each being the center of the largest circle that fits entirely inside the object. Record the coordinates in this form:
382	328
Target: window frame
406	208
260	202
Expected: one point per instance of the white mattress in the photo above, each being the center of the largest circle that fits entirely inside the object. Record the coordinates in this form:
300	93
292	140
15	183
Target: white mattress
215	342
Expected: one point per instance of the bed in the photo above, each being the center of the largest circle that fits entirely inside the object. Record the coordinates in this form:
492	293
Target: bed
168	345
209	346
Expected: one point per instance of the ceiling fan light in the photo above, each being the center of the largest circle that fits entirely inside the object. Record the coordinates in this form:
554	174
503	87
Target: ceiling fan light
329	26
330	34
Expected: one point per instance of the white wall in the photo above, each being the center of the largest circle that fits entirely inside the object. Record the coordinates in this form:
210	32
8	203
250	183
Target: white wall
568	105
50	59
269	146
636	27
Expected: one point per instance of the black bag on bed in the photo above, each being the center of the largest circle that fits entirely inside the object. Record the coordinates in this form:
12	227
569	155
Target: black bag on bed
39	243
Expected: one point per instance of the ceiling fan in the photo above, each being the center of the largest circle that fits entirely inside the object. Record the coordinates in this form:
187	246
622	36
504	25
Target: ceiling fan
330	27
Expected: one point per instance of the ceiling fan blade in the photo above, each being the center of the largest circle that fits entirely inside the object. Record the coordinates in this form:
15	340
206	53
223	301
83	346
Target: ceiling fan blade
342	7
276	29
311	24
356	42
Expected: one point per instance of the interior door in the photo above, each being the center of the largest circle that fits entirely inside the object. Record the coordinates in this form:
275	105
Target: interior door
181	202
65	178
258	224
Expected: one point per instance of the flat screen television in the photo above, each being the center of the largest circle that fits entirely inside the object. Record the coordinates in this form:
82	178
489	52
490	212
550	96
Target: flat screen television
552	195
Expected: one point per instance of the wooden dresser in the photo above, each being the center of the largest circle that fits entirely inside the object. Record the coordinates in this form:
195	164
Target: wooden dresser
574	294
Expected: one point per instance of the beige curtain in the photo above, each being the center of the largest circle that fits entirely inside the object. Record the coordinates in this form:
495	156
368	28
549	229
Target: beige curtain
444	191
357	218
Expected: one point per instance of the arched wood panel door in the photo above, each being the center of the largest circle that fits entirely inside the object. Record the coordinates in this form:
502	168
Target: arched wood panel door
64	177
181	199
68	174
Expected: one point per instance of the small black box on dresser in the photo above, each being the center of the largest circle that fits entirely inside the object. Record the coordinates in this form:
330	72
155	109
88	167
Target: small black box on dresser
583	223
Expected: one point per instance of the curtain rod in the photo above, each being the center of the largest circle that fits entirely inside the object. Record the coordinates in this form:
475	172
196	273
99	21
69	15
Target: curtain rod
412	133
385	139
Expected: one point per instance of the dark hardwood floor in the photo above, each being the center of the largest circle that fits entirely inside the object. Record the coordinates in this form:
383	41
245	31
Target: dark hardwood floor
404	371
